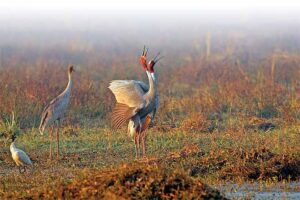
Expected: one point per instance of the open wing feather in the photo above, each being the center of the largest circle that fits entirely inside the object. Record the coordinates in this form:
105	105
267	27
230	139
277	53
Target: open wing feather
121	114
127	92
129	95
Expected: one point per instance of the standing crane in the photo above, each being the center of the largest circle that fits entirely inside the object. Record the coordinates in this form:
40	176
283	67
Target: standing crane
55	110
19	156
135	101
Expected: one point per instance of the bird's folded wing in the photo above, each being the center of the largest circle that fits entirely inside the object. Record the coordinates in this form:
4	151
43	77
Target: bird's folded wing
143	85
23	157
145	88
46	113
50	104
156	106
129	95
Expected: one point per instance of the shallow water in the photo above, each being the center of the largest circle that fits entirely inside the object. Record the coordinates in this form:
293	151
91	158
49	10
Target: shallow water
289	190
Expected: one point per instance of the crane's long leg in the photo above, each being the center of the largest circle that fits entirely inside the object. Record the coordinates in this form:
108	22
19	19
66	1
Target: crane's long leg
138	144
143	132
57	137
135	146
143	135
50	138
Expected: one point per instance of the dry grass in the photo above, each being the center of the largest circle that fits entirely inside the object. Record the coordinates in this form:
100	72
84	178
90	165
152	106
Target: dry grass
132	182
220	118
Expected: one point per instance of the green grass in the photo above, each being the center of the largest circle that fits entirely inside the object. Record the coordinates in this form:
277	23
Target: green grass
199	154
104	142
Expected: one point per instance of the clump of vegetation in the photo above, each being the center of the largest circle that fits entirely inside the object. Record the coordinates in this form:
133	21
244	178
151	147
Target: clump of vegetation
247	164
268	111
195	122
259	124
262	164
199	123
9	127
132	182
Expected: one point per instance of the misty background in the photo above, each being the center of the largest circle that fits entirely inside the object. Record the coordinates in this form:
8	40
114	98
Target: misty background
74	32
209	49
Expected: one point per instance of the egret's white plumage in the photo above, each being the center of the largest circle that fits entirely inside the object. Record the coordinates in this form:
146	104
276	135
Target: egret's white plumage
19	156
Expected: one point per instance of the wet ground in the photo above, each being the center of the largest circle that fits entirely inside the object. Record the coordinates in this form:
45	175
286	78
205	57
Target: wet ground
289	190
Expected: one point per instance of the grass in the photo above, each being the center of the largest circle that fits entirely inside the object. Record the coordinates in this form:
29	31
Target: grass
211	158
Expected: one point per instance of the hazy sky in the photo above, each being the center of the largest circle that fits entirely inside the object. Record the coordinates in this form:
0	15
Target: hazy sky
73	11
24	20
229	5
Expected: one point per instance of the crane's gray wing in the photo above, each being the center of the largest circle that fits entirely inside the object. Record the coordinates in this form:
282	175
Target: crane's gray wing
22	156
143	85
129	95
156	106
54	110
46	112
145	88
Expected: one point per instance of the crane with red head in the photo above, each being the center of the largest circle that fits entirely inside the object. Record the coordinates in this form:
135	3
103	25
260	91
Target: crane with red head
135	102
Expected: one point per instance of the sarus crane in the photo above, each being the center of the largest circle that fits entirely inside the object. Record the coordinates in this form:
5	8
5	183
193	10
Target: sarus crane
135	102
55	110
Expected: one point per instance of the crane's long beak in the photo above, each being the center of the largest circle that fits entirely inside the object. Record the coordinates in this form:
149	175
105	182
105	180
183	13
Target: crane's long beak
157	57
145	51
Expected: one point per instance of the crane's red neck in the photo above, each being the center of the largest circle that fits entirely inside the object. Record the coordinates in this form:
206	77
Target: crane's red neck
151	66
